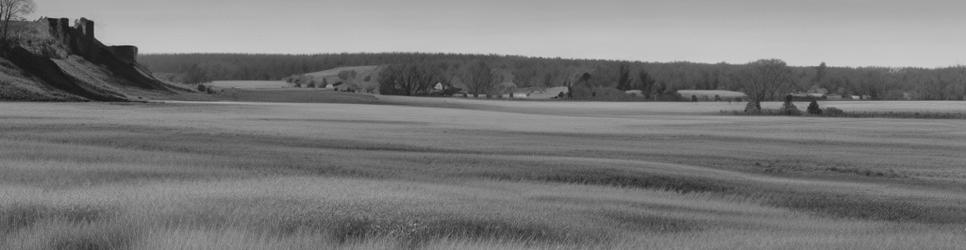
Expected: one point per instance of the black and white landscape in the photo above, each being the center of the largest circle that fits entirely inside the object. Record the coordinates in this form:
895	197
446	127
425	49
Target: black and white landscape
432	124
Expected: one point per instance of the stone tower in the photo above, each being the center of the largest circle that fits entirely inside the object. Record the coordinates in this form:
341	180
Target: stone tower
59	27
86	27
126	53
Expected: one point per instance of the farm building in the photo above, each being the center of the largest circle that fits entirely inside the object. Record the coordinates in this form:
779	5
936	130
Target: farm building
712	95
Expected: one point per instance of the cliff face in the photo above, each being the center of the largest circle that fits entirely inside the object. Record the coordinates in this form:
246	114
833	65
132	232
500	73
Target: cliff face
70	59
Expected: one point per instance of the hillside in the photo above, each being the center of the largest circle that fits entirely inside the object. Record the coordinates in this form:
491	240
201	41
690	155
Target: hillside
49	60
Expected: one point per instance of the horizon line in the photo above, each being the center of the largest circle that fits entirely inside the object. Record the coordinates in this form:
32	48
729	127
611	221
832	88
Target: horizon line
550	57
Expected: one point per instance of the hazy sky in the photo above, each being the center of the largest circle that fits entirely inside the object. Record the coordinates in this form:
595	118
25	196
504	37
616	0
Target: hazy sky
924	33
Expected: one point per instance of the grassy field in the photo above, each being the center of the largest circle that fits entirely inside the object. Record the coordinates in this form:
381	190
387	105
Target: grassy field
287	95
250	84
472	174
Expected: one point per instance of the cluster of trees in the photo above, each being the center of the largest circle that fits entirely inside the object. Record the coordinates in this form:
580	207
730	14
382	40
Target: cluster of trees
410	79
479	79
765	80
476	78
653	79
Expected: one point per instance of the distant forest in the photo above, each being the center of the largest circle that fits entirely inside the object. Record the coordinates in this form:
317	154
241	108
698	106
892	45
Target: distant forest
877	83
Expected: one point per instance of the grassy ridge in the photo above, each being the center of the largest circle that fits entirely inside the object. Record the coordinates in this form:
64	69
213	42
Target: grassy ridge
343	176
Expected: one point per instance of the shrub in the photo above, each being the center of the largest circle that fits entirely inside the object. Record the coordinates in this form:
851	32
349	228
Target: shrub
202	88
833	111
789	108
814	109
752	107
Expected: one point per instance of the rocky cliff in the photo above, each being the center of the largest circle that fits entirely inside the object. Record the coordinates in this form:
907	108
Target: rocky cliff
53	60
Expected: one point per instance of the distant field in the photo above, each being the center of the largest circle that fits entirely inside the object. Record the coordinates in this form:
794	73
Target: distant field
646	108
332	73
447	173
287	95
711	94
361	77
250	84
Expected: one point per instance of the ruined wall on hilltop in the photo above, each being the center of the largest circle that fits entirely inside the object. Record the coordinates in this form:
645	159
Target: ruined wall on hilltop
126	53
85	27
80	39
59	28
67	58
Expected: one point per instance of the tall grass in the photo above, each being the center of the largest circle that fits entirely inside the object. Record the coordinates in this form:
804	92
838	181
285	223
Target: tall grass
149	176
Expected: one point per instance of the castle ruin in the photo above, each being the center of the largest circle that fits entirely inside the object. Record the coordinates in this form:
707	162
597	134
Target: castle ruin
81	40
126	53
86	27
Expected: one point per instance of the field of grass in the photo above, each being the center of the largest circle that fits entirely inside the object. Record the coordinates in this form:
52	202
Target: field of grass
250	84
286	95
470	174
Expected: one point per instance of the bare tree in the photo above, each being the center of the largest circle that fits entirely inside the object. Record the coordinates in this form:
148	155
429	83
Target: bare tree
11	10
765	79
479	78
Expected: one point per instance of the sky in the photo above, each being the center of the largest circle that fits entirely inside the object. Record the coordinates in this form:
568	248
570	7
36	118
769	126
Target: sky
923	33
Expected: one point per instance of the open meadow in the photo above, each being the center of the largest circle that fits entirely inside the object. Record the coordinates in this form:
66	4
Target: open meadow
475	174
250	84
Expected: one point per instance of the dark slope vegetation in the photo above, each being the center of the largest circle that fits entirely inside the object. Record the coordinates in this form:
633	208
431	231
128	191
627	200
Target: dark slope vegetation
52	61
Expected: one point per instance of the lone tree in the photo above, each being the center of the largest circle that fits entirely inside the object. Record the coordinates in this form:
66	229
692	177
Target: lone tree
585	78
645	83
814	109
624	78
820	73
764	79
11	10
479	78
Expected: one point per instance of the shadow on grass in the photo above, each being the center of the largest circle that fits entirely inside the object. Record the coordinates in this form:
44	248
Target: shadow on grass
413	233
869	208
18	217
652	223
73	228
616	178
94	239
843	114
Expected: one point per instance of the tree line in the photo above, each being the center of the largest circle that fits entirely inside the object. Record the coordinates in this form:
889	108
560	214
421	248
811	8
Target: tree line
652	79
